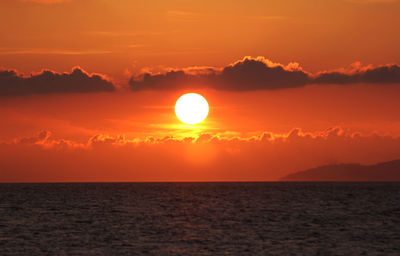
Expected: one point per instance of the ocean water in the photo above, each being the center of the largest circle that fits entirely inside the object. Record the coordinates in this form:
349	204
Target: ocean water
200	219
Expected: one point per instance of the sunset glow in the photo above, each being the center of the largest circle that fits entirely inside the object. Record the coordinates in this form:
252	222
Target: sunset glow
201	127
230	90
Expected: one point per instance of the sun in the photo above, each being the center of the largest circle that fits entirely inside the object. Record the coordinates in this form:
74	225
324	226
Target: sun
191	108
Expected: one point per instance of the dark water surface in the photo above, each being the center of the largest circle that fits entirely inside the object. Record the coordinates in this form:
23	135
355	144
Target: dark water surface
200	219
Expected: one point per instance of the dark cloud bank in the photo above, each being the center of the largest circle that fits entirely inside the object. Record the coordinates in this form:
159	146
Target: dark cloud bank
260	74
78	81
246	74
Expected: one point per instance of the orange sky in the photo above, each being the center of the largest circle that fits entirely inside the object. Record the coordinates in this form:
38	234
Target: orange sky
117	37
301	105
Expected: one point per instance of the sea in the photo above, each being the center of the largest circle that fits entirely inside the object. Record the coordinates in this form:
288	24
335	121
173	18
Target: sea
238	218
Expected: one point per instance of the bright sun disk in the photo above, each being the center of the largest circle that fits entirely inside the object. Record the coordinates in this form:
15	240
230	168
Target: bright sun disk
191	108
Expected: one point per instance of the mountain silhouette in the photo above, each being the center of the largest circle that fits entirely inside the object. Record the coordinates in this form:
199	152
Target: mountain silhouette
386	171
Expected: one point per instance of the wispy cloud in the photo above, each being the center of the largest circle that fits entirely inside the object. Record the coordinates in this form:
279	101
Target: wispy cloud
52	52
46	1
137	46
184	15
193	16
108	33
272	17
372	1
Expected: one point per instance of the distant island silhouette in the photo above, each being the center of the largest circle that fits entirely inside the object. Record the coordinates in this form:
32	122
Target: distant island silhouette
385	171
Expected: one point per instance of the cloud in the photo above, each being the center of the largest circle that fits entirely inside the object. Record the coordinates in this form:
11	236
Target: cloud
381	74
268	156
372	1
246	74
260	74
243	75
39	138
46	1
47	81
53	52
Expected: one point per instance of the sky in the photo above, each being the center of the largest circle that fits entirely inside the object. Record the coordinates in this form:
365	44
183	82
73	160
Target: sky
88	88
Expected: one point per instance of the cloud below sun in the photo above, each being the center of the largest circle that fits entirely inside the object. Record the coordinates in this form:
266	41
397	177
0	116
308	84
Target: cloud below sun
206	157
